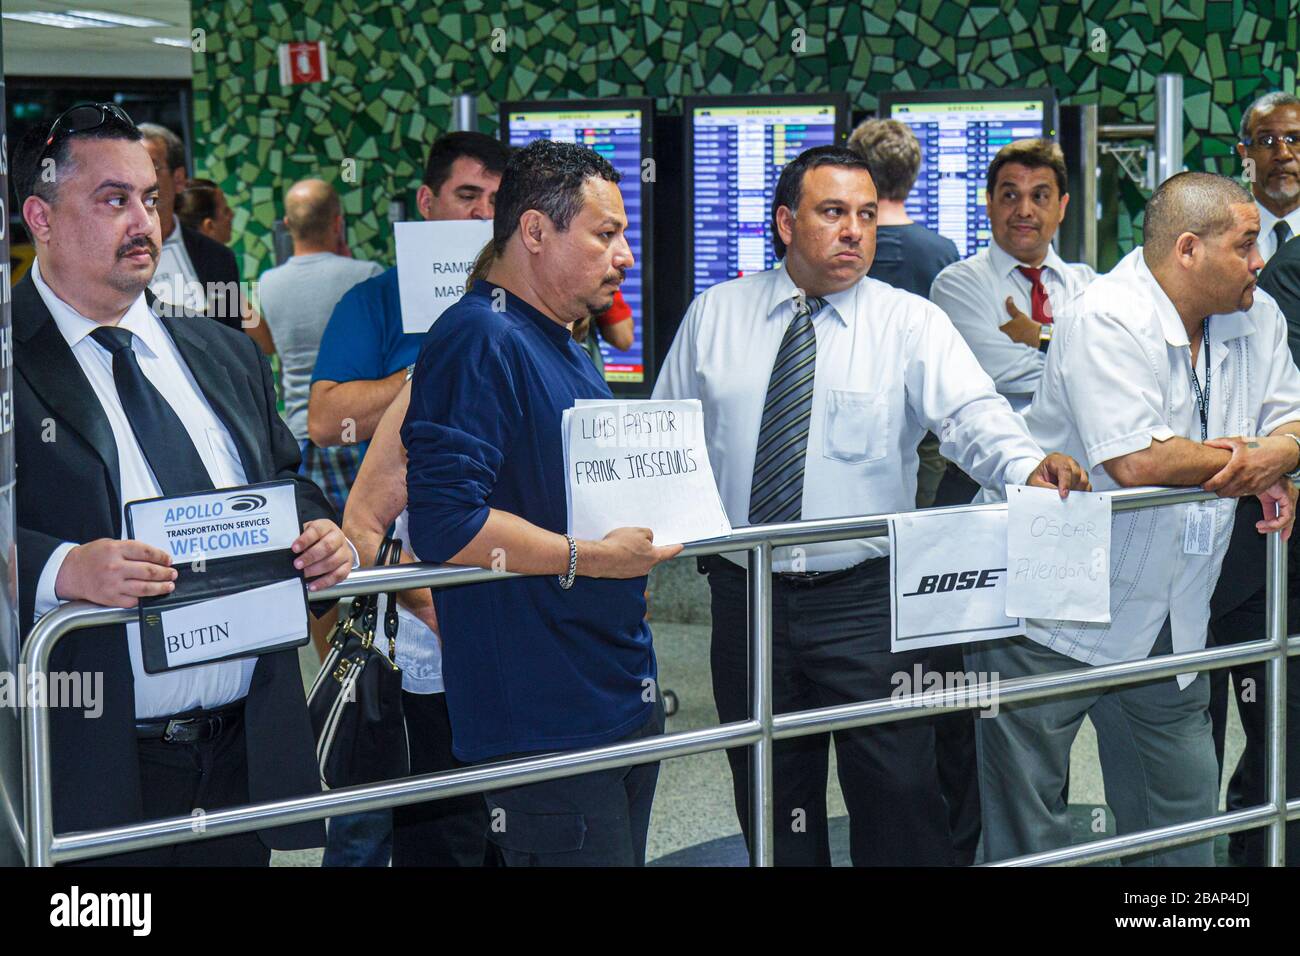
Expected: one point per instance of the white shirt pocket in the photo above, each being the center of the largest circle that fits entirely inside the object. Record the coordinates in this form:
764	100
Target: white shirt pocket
856	427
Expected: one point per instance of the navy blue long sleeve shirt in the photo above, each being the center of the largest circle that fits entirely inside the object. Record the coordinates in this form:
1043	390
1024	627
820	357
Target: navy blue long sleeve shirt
528	666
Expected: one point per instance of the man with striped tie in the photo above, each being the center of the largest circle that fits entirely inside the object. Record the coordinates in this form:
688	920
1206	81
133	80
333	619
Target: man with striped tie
818	384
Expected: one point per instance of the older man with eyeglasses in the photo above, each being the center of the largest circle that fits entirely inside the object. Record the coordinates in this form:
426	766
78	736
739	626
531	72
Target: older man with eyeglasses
1269	148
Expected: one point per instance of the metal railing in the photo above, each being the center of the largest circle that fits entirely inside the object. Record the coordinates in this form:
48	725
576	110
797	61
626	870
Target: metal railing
44	848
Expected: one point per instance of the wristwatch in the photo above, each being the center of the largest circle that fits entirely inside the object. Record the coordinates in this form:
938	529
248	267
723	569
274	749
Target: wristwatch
1044	336
1294	475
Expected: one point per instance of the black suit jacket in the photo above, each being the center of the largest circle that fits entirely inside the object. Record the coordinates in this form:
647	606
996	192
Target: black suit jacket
1281	279
217	270
69	489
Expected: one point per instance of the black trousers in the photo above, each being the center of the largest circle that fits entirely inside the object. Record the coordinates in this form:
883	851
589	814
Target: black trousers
593	819
955	733
954	748
450	832
1237	615
184	779
955	488
830	645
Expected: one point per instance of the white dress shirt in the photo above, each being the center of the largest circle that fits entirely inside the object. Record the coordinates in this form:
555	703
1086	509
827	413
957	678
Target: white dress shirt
419	654
175	281
889	367
1118	377
208	685
1267	221
974	294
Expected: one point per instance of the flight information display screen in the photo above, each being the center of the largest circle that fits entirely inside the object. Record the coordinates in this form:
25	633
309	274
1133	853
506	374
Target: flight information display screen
958	141
617	135
737	154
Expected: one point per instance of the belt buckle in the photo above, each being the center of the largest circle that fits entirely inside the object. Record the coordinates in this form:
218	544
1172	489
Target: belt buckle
173	725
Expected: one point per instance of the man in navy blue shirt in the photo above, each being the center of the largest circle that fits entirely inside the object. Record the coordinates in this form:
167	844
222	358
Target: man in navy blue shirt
564	659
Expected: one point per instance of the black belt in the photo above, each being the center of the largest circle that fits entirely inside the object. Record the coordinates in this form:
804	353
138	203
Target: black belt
795	579
193	728
812	579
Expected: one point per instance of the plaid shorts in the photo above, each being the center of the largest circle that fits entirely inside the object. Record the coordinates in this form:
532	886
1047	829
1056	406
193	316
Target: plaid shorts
333	469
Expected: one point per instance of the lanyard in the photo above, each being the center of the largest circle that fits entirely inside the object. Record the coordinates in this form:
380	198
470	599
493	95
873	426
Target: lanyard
1203	398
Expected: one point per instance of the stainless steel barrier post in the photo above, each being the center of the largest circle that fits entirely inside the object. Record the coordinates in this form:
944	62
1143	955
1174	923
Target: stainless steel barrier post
760	675
1276	730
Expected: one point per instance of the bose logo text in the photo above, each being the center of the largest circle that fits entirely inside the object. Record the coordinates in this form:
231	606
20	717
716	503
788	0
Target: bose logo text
956	581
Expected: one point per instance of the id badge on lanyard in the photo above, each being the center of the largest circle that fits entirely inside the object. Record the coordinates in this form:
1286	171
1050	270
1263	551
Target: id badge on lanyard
1198	530
1202	397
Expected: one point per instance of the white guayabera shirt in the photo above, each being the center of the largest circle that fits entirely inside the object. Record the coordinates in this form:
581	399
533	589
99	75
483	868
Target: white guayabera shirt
1118	377
890	367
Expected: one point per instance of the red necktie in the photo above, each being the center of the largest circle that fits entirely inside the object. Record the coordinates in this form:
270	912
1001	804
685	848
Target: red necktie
1040	307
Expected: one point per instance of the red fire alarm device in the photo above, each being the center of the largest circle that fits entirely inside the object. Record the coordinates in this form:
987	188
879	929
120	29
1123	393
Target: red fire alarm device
303	63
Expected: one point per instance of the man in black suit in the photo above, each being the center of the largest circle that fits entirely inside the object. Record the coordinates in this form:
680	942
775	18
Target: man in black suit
114	403
1238	613
194	271
1281	279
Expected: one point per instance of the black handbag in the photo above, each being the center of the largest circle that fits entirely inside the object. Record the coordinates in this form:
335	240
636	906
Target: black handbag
356	701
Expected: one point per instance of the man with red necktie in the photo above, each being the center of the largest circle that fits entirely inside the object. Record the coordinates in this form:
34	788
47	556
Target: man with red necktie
1001	299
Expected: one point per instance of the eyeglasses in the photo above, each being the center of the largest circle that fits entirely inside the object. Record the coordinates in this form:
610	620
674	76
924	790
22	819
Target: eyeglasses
1269	141
82	119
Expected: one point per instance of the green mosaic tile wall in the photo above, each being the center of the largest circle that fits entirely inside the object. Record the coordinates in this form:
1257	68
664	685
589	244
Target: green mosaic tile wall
396	63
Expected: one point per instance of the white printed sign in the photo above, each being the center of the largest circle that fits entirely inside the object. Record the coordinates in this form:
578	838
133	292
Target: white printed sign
237	623
218	524
948	573
1058	554
640	464
433	261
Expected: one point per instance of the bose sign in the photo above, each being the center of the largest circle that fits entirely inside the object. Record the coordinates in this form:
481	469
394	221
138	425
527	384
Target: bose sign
949	578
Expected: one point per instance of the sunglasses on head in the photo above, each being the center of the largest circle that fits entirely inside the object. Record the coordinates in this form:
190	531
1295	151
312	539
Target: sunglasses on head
82	119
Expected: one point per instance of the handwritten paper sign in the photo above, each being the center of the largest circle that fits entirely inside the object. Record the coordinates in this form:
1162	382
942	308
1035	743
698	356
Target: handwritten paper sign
1058	555
948	573
640	464
433	261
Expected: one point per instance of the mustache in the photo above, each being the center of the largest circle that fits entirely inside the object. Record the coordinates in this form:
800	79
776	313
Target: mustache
138	242
621	274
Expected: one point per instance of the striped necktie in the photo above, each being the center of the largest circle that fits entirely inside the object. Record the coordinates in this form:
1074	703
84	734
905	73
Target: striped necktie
776	494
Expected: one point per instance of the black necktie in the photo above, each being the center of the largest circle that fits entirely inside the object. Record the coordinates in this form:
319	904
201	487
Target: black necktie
166	444
1281	233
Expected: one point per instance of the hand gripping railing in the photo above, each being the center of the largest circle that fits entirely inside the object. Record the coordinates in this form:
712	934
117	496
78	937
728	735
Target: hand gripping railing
44	848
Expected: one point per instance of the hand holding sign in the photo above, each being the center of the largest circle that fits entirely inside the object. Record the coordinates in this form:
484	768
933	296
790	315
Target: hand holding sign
1058	553
323	554
623	553
114	573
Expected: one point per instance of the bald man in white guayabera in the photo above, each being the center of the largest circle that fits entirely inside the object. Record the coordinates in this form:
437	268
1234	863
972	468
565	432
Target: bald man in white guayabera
1150	370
